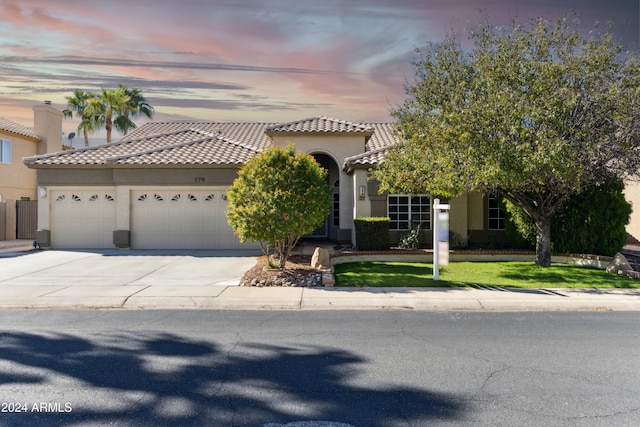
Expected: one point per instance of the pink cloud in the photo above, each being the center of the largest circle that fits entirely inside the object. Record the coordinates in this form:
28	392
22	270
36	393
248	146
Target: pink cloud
281	57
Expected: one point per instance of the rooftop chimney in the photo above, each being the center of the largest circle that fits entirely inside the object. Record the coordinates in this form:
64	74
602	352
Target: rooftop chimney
47	124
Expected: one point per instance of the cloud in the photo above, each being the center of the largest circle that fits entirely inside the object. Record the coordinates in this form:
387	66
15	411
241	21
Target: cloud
247	59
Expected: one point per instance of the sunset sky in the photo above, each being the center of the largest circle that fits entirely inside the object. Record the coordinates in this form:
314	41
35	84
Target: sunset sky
247	60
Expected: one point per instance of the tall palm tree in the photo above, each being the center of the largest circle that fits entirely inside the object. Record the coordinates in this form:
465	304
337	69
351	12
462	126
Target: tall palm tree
111	108
78	104
138	107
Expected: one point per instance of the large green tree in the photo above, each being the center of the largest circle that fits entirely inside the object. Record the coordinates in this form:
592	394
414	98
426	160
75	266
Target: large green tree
78	104
278	197
111	108
138	106
534	112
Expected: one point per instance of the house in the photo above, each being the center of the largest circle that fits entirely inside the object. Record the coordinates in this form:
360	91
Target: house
17	182
164	186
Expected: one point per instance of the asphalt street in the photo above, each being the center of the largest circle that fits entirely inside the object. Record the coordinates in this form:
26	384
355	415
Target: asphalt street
318	368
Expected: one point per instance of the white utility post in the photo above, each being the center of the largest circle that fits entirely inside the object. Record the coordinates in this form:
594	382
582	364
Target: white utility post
440	237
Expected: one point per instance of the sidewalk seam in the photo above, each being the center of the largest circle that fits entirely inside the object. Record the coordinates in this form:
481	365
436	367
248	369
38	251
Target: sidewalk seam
133	294
52	292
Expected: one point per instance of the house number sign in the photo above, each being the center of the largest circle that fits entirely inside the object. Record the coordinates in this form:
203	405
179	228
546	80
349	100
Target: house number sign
199	179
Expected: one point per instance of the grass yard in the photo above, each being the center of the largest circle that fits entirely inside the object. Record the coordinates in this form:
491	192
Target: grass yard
460	274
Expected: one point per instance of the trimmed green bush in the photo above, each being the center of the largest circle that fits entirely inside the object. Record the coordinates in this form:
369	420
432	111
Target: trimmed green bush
279	196
372	233
591	222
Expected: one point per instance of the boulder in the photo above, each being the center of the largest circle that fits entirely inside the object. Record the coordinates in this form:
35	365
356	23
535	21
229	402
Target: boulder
320	259
619	264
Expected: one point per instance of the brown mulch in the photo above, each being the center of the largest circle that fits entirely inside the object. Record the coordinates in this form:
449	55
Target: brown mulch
297	272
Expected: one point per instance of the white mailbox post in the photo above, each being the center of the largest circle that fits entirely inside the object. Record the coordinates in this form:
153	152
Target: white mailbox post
440	237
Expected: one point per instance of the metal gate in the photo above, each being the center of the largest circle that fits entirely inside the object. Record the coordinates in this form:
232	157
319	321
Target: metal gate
26	219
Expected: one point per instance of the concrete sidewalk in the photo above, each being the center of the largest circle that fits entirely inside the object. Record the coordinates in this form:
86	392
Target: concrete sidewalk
169	281
235	297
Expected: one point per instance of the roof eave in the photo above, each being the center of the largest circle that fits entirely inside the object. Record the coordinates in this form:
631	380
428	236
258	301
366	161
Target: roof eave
33	138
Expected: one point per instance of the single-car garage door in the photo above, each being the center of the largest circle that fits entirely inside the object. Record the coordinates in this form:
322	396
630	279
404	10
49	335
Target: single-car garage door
83	219
181	219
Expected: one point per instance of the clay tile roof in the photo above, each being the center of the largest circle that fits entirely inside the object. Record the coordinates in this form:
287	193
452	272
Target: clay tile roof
177	147
383	136
13	127
320	124
211	143
209	150
250	134
377	146
369	158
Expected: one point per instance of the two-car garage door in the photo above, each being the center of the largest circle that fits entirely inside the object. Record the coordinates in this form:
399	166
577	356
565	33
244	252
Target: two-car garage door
159	219
187	219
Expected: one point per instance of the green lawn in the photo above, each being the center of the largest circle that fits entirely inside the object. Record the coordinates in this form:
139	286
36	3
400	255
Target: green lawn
500	274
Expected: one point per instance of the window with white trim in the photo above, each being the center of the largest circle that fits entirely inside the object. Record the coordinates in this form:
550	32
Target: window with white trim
495	213
407	211
5	151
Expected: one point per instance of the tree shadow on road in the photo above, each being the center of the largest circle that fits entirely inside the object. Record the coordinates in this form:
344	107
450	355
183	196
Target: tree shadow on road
161	379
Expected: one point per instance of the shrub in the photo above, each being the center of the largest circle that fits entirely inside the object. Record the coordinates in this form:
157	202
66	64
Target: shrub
411	240
372	233
456	241
592	221
278	197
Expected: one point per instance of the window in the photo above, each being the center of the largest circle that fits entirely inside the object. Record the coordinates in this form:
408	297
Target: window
496	214
336	209
406	211
5	151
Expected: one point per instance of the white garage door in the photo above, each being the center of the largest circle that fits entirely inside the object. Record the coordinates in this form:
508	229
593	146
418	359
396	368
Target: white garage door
181	219
83	219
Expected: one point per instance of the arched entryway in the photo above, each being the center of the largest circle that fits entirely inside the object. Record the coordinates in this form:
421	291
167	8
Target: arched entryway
329	230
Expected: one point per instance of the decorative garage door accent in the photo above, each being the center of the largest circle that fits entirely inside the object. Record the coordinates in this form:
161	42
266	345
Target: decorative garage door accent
83	219
187	219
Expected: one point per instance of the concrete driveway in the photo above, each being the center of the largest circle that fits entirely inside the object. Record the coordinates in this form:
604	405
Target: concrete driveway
114	267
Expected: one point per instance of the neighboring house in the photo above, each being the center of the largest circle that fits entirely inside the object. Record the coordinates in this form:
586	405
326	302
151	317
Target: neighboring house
164	186
632	194
17	182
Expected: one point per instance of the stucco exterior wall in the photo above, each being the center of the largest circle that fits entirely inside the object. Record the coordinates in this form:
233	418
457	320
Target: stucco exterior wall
475	211
137	176
47	124
632	195
16	181
459	216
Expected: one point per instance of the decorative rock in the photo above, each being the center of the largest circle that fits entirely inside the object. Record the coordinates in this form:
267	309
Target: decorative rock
619	265
320	259
327	278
